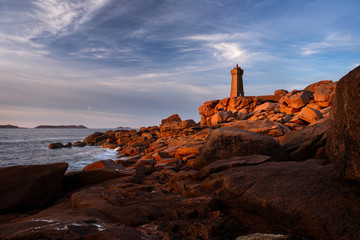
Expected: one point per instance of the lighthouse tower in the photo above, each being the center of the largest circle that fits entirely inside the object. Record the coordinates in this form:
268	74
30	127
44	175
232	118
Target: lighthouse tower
237	88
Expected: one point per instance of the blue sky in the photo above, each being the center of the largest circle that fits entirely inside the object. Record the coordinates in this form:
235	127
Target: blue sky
110	63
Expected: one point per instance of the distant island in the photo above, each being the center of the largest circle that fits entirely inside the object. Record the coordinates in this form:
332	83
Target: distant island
123	128
8	126
61	126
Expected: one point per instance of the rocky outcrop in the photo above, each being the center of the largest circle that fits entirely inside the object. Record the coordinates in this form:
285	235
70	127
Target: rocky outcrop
344	127
287	109
94	138
226	177
28	187
218	111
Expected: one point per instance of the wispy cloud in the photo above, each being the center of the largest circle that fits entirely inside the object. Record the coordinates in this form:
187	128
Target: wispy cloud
228	51
28	34
61	17
236	47
333	41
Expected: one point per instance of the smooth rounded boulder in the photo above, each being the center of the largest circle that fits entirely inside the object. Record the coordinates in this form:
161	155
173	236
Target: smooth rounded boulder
31	186
227	142
344	127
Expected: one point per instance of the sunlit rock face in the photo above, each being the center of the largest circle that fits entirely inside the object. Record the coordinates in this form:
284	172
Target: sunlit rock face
344	138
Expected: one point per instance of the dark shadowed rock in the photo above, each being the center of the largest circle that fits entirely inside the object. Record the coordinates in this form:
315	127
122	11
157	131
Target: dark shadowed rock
79	144
305	143
31	186
344	127
61	222
55	145
222	165
74	180
228	142
264	236
300	198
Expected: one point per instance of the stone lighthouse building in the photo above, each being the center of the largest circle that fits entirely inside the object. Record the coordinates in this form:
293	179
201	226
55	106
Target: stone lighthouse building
237	88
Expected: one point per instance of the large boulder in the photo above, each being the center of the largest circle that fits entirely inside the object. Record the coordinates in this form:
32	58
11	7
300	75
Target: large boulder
208	108
324	94
177	128
344	139
296	99
264	127
278	94
172	118
227	142
31	186
312	87
310	115
55	145
306	143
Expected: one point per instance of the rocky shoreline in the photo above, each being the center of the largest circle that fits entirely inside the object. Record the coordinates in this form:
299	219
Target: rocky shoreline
287	164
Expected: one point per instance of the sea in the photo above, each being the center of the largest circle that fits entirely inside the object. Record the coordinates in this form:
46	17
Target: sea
30	146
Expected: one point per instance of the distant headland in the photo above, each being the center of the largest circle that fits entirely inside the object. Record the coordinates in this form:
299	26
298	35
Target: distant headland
61	126
9	126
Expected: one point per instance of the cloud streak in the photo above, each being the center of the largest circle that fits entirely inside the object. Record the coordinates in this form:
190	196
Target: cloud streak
333	42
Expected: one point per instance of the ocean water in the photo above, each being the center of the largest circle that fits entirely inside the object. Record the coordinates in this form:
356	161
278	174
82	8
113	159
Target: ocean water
30	146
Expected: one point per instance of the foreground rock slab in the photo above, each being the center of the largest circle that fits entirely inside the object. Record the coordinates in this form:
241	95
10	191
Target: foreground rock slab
32	186
300	198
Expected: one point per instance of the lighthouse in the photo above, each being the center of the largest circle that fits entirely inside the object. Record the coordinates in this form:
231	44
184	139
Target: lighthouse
237	88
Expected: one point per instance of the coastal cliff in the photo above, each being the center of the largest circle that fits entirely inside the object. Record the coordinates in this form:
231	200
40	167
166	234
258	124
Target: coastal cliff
274	165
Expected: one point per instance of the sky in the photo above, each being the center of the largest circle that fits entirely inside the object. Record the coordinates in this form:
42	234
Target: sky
112	63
